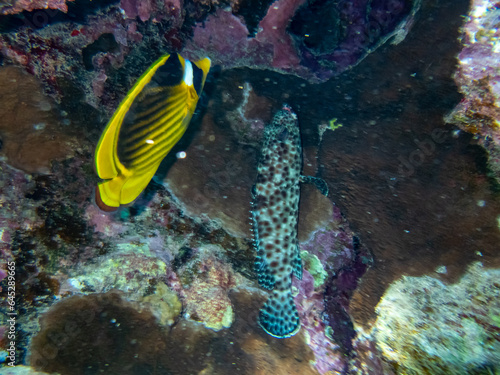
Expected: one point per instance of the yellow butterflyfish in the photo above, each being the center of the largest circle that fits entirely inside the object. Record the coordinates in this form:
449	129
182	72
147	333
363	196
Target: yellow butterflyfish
148	123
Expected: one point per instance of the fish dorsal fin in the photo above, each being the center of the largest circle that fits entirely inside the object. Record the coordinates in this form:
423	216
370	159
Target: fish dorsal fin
316	181
297	263
264	275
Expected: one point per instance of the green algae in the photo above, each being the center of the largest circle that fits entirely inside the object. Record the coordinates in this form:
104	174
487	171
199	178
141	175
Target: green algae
315	268
164	304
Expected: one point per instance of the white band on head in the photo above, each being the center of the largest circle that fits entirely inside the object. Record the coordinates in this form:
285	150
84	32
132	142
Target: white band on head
188	73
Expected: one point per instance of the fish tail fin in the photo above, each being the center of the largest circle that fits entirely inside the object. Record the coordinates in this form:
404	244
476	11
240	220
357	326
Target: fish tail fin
279	316
123	189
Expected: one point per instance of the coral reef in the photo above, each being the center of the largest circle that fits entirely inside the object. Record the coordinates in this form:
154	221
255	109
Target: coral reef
290	39
478	79
18	6
177	265
417	194
81	52
427	327
207	296
171	11
109	334
158	258
311	307
131	268
29	124
164	304
80	56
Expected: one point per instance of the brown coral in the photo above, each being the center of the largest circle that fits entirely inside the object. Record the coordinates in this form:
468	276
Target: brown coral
418	197
102	333
29	128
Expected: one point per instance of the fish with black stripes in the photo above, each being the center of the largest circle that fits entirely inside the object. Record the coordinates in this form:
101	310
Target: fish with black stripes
148	123
274	214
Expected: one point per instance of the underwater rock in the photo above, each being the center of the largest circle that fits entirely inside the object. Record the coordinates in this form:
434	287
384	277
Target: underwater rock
478	79
425	326
29	127
18	6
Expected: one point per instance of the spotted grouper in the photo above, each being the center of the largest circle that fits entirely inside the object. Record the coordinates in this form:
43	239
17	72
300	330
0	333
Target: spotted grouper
275	208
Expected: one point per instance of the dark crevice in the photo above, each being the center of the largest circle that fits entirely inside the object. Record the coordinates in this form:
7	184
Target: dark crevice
252	11
105	43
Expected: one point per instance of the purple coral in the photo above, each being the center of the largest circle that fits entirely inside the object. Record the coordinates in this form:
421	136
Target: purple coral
18	6
323	309
169	10
283	42
311	306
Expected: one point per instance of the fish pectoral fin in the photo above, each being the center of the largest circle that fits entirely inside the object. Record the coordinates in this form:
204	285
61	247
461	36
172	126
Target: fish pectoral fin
316	181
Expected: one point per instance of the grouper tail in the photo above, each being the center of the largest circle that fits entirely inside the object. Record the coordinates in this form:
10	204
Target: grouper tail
279	316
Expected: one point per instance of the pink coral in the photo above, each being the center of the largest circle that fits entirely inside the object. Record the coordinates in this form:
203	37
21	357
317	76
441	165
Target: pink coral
478	78
17	6
283	46
157	10
225	39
